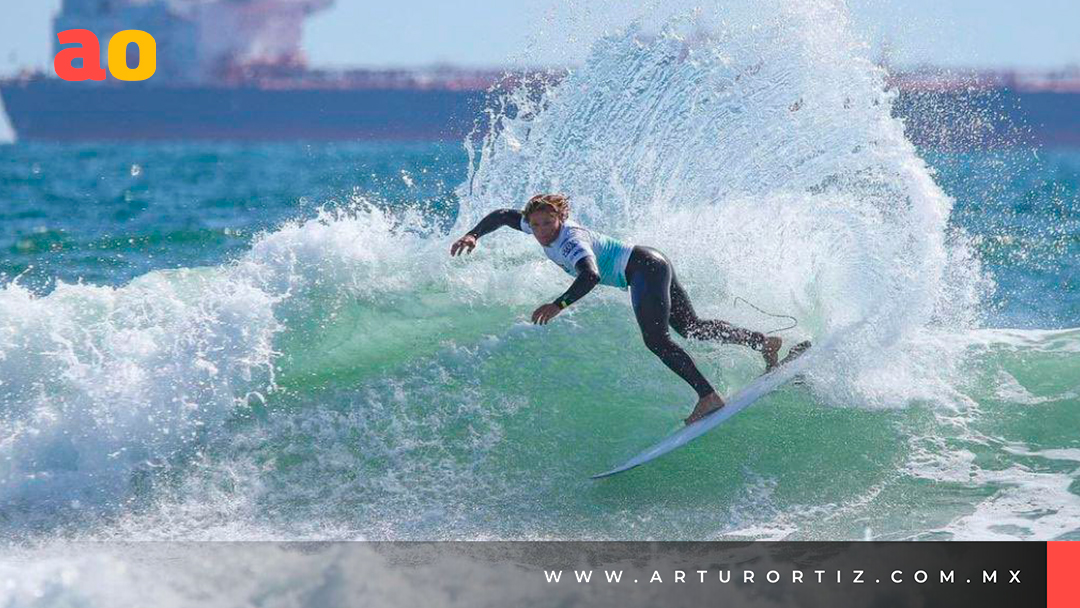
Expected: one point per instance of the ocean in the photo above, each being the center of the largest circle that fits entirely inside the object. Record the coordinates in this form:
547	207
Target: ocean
271	342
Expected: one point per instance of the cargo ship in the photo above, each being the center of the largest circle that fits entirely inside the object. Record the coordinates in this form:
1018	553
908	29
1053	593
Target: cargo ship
234	70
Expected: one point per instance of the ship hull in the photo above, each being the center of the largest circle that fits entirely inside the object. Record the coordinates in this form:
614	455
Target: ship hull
55	110
52	110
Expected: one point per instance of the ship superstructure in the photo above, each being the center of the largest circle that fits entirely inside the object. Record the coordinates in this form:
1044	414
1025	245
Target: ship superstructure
201	42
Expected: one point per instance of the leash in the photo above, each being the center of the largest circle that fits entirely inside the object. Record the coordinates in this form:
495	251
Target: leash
794	321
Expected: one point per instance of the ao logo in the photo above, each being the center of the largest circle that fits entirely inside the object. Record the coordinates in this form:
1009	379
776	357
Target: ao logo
90	53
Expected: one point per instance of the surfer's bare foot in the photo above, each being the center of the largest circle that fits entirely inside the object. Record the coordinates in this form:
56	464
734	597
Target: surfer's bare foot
705	406
770	350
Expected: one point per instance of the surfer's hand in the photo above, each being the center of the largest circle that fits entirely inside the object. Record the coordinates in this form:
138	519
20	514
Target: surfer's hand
463	245
545	313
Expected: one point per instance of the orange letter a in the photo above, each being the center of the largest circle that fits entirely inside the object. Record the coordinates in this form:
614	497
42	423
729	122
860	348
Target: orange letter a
90	53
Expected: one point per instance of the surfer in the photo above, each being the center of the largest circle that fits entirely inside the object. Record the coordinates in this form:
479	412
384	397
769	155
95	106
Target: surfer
655	293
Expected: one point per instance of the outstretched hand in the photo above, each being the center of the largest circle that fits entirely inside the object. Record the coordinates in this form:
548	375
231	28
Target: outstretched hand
465	244
545	313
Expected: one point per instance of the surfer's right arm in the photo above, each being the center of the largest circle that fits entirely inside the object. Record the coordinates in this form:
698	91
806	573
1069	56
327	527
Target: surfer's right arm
493	221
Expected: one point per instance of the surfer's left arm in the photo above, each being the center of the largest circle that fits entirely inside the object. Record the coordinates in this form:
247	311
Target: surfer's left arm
588	275
510	218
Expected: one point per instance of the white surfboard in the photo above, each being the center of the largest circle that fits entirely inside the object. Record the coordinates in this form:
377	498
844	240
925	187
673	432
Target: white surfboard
757	389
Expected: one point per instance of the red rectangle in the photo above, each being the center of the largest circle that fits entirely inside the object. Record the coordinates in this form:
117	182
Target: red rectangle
1062	574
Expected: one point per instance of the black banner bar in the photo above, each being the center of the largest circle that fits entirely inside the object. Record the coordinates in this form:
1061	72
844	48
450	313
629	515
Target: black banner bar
475	574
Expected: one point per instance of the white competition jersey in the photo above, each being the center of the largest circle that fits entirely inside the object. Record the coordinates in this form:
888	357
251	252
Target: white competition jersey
576	242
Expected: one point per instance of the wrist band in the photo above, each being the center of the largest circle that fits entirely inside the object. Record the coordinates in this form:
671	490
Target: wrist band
562	304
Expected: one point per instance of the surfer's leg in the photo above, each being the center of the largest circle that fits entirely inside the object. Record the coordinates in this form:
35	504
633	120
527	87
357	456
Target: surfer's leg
689	325
650	293
685	321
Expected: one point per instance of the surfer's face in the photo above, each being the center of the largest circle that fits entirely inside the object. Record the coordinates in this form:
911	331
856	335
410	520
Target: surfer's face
545	225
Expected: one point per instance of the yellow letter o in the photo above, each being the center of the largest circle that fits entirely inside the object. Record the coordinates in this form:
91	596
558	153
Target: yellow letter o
118	55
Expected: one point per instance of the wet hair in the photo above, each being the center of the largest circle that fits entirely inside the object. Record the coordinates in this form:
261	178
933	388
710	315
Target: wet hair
558	203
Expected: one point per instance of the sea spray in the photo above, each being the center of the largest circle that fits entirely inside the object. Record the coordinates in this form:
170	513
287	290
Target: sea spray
765	160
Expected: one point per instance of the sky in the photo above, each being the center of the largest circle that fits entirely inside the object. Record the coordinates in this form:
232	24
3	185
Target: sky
1029	34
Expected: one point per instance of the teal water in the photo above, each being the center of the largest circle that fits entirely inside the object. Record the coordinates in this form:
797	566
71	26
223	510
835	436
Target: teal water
251	342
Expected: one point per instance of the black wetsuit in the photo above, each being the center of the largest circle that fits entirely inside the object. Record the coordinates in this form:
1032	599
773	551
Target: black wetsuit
658	299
